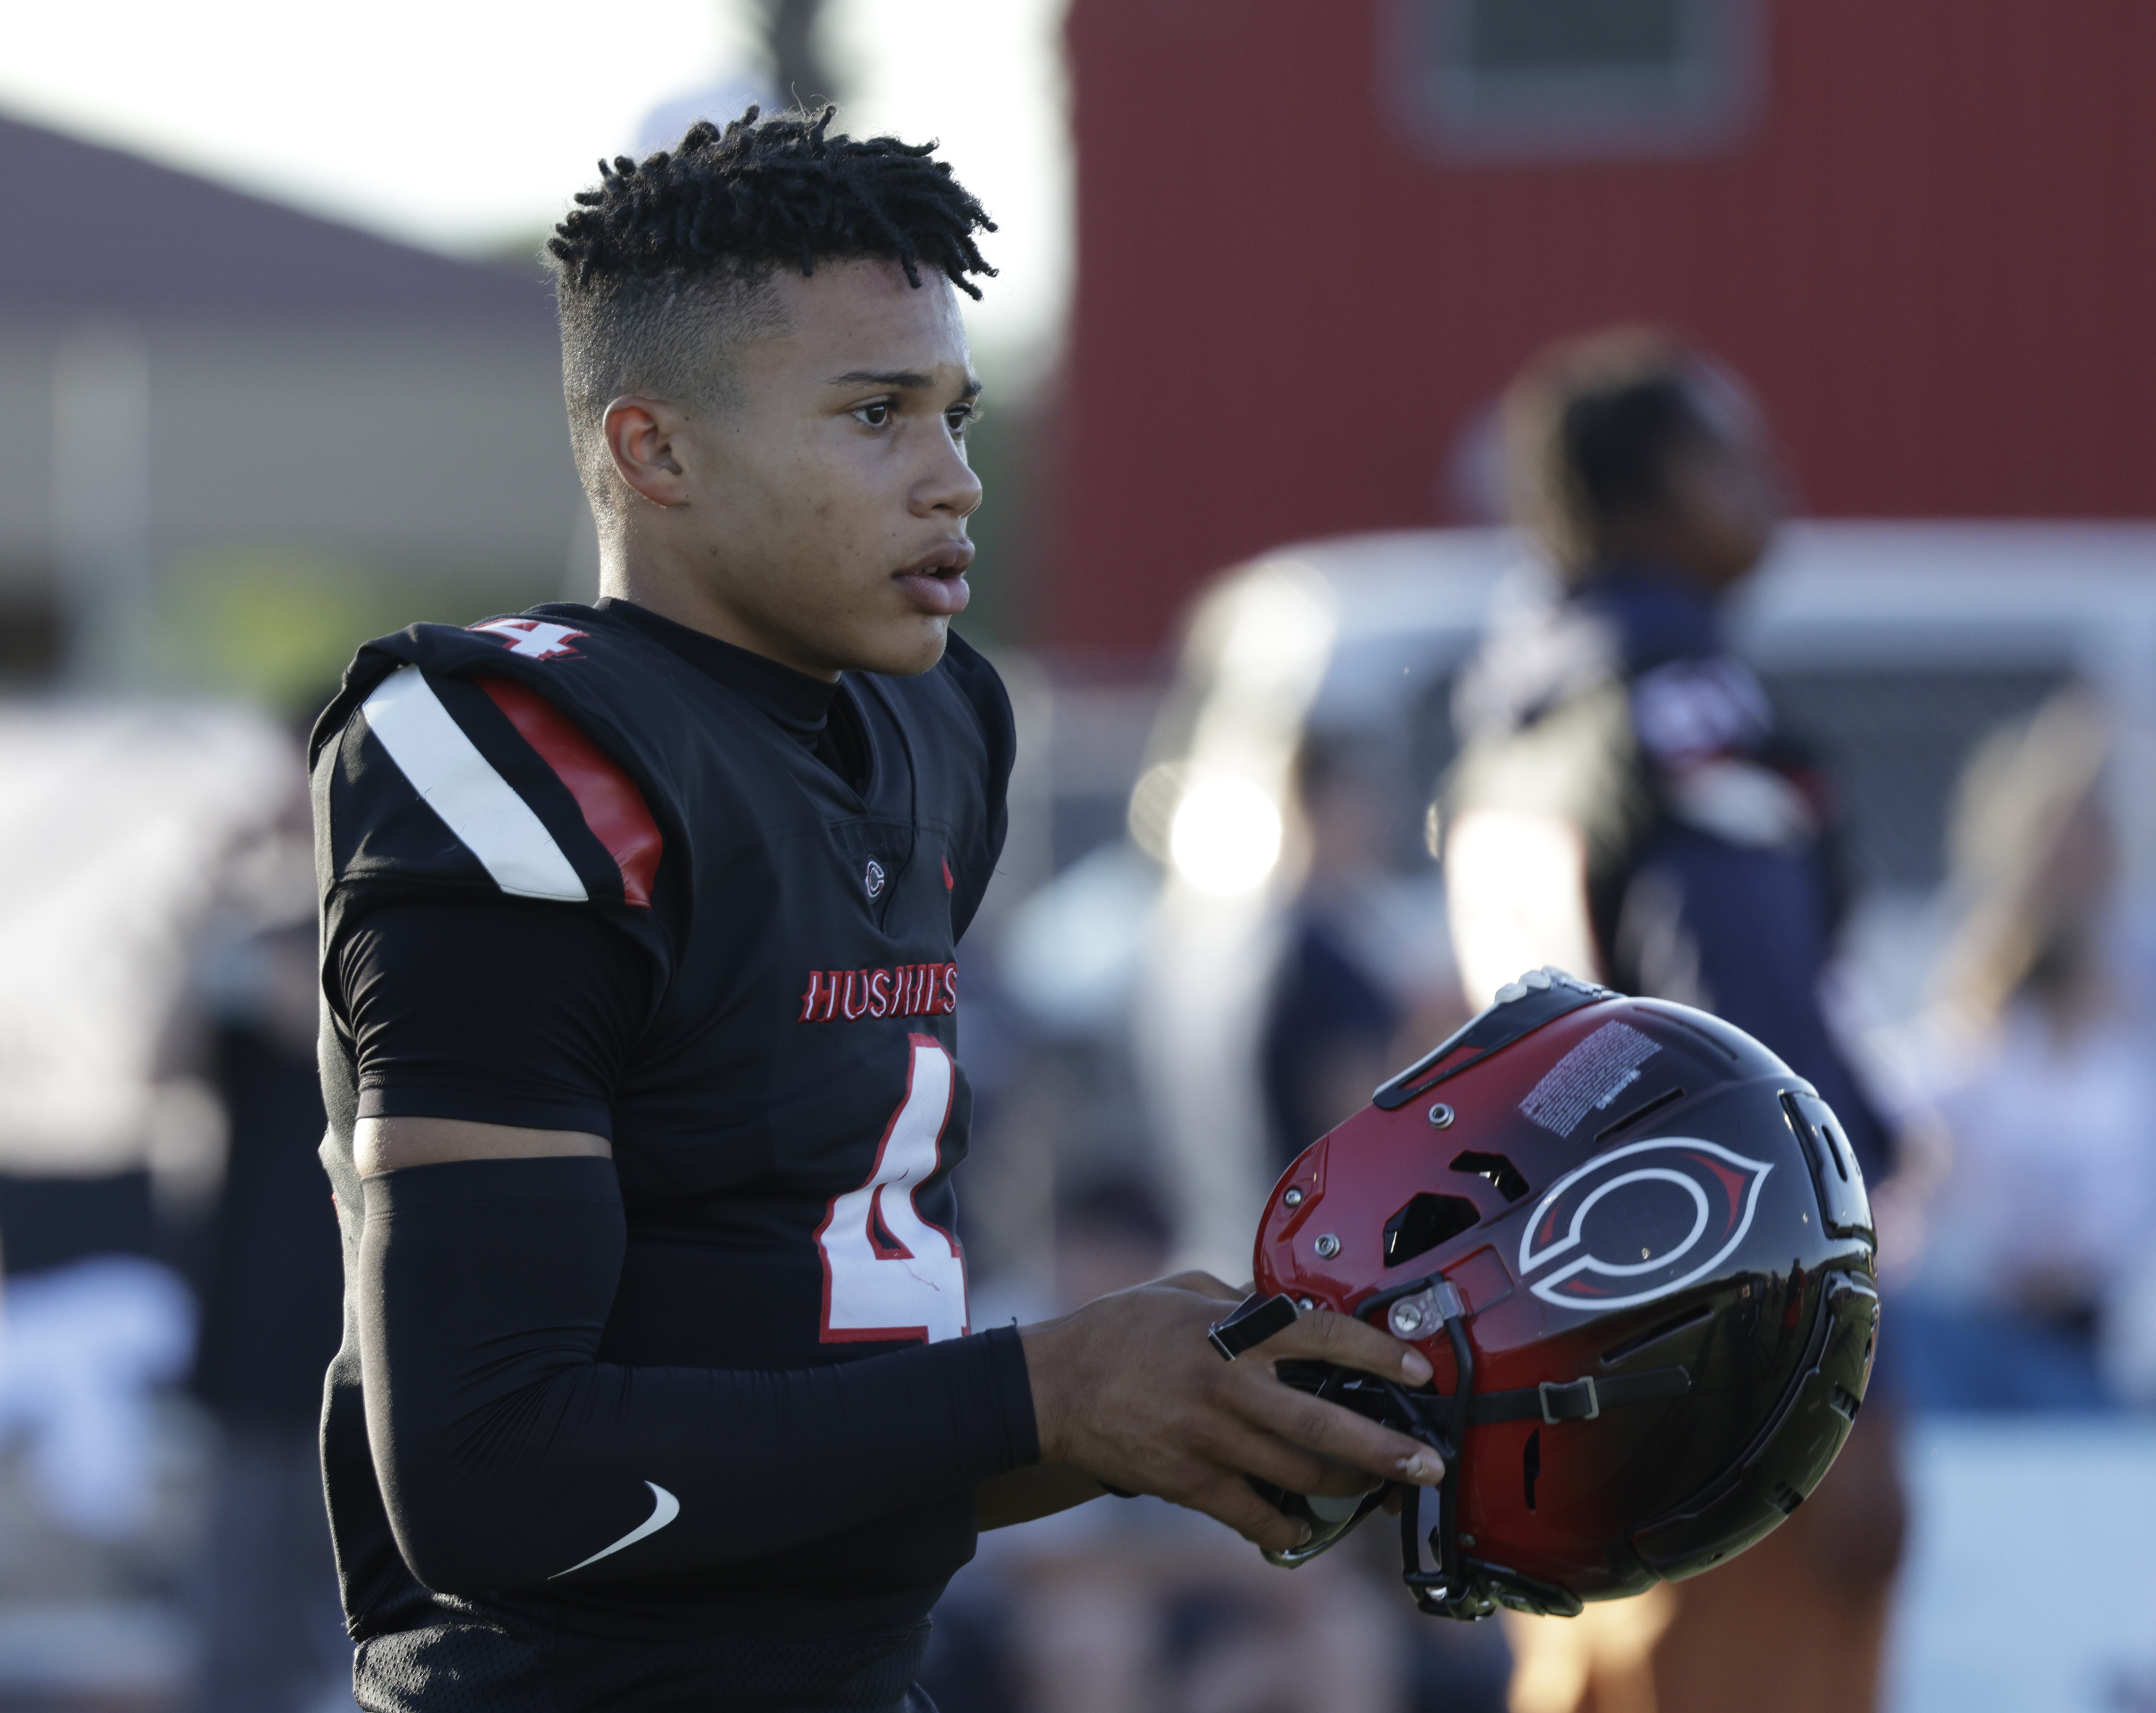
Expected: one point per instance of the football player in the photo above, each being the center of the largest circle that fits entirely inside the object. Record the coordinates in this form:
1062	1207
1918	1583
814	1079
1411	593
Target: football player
658	1387
1626	805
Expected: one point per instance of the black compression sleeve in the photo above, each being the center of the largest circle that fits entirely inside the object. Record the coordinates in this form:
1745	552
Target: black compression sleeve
511	1012
509	1455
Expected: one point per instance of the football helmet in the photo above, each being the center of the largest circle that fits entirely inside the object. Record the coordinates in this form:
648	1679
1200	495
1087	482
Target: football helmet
1637	1250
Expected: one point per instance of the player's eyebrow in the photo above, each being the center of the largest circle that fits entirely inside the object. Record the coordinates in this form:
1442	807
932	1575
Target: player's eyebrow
905	380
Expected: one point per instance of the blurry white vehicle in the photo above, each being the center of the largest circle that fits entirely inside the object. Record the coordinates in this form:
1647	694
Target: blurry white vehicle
1891	647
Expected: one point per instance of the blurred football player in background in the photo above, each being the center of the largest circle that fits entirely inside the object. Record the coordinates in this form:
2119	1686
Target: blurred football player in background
274	1638
1623	806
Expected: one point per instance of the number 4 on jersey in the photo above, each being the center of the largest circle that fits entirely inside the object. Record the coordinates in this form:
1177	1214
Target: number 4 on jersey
888	1273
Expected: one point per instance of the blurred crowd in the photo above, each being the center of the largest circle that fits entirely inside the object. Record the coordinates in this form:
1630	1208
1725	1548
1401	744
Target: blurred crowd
1160	1018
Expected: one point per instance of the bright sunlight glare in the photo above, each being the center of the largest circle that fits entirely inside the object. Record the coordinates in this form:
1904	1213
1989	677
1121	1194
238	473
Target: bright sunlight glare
1225	837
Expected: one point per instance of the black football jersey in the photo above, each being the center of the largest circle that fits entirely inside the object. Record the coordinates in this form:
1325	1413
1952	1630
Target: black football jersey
790	1115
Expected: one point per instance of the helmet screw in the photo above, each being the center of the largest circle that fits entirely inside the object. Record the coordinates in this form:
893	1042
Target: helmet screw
1293	1198
1306	1304
1440	1116
1328	1246
1406	1318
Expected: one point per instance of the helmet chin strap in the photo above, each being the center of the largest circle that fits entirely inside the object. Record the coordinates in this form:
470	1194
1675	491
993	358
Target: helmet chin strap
1444	1581
1441	1589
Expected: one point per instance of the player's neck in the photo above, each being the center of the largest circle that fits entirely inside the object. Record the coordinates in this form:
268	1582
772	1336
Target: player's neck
654	582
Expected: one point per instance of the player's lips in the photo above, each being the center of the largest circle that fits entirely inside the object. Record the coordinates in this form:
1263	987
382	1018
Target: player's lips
936	582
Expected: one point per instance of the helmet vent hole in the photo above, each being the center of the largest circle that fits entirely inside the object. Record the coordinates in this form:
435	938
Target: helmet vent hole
1787	1499
1668	1097
1530	1465
1494	1168
1426	1221
1845	1401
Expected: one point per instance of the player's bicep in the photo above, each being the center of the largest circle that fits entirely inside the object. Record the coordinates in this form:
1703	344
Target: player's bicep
383	1144
510	1016
1516	892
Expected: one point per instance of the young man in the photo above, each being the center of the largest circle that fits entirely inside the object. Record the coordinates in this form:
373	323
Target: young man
658	1388
1625	803
1623	806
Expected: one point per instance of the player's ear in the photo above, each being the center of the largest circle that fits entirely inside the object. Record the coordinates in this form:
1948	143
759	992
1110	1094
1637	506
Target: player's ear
639	434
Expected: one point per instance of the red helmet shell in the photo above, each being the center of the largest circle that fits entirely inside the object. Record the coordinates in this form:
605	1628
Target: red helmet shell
1627	1188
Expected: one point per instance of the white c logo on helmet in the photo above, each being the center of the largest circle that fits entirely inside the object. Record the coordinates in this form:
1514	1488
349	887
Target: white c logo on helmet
1709	1188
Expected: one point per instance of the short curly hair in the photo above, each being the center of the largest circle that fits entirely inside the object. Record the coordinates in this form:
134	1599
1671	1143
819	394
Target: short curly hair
663	270
1589	430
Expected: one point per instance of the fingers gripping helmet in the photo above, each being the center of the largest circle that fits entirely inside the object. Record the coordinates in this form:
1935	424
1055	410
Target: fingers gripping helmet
1637	1250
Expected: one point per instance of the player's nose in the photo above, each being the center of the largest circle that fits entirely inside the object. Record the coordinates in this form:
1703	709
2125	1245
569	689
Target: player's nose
948	486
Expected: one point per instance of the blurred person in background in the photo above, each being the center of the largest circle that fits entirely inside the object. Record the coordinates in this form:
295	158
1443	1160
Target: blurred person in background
2038	1055
1365	982
1352	1000
1332	1021
127	821
1623	806
266	1593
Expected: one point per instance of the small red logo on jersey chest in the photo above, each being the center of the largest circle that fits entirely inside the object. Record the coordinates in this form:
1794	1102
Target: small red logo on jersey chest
910	990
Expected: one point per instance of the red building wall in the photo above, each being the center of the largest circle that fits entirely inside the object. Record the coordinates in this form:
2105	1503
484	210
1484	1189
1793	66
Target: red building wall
1932	254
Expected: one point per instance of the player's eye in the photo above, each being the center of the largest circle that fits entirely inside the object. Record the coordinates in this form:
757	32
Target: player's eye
961	417
875	414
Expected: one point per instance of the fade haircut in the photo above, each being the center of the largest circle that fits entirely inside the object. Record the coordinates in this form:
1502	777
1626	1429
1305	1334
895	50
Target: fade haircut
1590	431
665	270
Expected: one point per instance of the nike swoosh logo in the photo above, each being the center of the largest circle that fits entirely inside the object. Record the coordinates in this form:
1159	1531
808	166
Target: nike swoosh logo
664	1508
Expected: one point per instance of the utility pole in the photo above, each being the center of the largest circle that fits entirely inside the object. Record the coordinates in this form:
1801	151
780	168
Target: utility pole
796	66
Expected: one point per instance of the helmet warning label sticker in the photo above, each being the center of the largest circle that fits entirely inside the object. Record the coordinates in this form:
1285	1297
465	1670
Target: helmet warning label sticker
1588	1078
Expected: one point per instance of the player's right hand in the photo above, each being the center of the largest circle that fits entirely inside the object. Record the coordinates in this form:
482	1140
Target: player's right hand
1129	1390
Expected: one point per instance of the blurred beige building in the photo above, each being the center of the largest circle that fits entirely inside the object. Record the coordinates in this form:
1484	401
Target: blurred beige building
231	432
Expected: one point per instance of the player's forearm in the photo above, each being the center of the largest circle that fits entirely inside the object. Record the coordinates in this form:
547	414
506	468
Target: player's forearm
510	1456
1039	1491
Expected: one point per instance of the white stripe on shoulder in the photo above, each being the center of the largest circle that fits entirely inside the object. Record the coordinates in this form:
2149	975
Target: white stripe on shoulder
478	805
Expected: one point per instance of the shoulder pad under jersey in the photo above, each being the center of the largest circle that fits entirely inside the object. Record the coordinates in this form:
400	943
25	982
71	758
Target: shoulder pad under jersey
441	769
